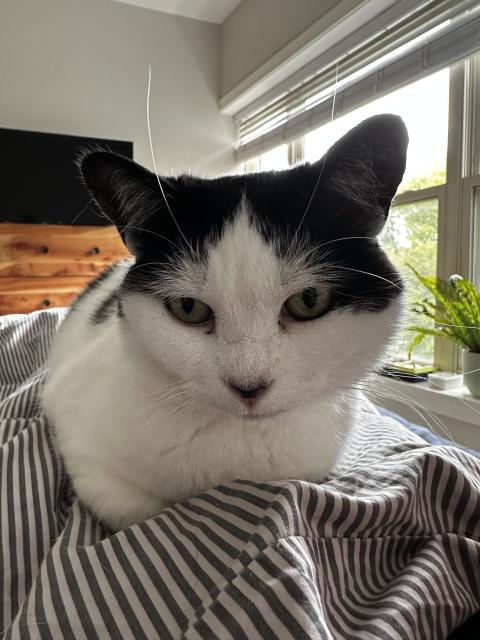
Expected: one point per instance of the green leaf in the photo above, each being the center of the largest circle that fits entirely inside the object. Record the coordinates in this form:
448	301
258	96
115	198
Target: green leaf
416	340
455	311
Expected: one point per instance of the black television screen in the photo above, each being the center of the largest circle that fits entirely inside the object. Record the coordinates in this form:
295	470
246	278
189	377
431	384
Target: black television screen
40	182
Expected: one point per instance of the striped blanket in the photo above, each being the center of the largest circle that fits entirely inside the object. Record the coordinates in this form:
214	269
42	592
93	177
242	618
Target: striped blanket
388	547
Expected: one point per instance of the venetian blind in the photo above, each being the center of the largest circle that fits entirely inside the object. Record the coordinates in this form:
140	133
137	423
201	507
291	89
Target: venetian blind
429	37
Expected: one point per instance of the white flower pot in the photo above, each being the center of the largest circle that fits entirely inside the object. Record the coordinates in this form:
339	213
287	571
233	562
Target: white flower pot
471	372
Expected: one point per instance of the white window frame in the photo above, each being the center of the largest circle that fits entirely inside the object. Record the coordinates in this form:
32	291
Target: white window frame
456	223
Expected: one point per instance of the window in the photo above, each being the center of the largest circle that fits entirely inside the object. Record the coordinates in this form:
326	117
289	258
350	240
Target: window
273	160
432	219
423	105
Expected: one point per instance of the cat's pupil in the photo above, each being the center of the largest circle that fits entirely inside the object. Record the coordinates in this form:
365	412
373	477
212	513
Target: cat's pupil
310	297
187	304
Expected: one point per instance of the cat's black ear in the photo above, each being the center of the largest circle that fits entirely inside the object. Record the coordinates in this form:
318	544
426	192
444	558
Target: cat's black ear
125	192
362	171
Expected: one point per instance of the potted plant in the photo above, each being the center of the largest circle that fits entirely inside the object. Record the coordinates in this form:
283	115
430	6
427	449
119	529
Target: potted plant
455	309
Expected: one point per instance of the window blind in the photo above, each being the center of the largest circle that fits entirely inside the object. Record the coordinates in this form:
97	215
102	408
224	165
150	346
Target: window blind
433	35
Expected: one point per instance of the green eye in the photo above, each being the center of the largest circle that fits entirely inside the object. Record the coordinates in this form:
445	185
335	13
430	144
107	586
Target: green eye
308	304
190	310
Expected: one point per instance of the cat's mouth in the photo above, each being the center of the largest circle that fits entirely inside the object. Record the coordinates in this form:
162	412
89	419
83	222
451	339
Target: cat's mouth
251	415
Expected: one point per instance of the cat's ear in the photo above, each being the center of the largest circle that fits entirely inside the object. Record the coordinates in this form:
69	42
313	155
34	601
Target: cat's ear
362	171
125	192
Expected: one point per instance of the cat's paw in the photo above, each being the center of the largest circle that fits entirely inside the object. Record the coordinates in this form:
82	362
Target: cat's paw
114	501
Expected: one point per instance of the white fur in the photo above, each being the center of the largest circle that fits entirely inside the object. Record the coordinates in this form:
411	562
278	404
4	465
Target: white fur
142	413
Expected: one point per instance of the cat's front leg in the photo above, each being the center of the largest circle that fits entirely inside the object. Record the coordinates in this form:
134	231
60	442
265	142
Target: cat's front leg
114	501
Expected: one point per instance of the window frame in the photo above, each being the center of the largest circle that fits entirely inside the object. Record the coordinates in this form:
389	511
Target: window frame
458	247
456	223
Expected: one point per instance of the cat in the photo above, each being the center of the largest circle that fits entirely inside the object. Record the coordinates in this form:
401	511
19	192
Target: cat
229	345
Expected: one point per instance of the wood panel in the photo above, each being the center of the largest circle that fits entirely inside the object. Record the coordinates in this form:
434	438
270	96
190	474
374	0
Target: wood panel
23	295
34	302
57	250
45	266
51	269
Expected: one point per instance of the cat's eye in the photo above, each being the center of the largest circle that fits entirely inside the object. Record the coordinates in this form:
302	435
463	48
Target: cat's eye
308	304
190	310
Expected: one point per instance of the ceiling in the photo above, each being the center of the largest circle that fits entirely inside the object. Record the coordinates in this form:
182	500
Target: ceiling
209	10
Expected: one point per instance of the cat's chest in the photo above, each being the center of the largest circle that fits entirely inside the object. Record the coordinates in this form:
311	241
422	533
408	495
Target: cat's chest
178	454
123	423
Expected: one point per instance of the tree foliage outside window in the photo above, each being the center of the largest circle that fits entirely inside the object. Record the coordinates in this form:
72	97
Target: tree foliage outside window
410	238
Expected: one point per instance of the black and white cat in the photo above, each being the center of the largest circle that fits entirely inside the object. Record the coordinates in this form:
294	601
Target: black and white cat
229	346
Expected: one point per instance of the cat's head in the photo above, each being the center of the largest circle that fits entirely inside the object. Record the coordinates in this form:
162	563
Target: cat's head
262	292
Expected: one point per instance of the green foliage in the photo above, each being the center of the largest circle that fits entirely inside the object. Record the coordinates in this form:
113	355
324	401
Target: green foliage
438	176
455	312
410	237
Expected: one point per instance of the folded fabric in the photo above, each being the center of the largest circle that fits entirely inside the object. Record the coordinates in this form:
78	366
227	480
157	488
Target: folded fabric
387	547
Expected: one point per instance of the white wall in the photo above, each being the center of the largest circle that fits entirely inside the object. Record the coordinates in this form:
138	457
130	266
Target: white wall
259	29
80	67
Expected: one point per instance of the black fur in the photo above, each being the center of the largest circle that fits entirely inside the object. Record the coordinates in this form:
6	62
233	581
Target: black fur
110	306
346	193
91	286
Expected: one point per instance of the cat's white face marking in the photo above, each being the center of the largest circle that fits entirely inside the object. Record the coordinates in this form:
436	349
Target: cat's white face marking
246	285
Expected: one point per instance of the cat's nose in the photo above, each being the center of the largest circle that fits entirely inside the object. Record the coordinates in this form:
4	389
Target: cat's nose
250	392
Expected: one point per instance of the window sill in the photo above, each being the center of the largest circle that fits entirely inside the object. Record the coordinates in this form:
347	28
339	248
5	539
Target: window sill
457	404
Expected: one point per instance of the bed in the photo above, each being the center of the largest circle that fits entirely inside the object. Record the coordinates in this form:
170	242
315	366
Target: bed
387	547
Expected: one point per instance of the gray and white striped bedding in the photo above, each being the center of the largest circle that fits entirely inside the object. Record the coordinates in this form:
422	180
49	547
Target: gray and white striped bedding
389	547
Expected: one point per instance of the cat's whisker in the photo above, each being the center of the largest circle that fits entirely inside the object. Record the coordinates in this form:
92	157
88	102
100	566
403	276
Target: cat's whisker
324	244
168	395
162	266
195	251
347	295
163	404
455	397
184	404
166	401
79	214
324	160
417	407
414	405
358	458
168	389
405	401
153	233
173	385
368	273
153	155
